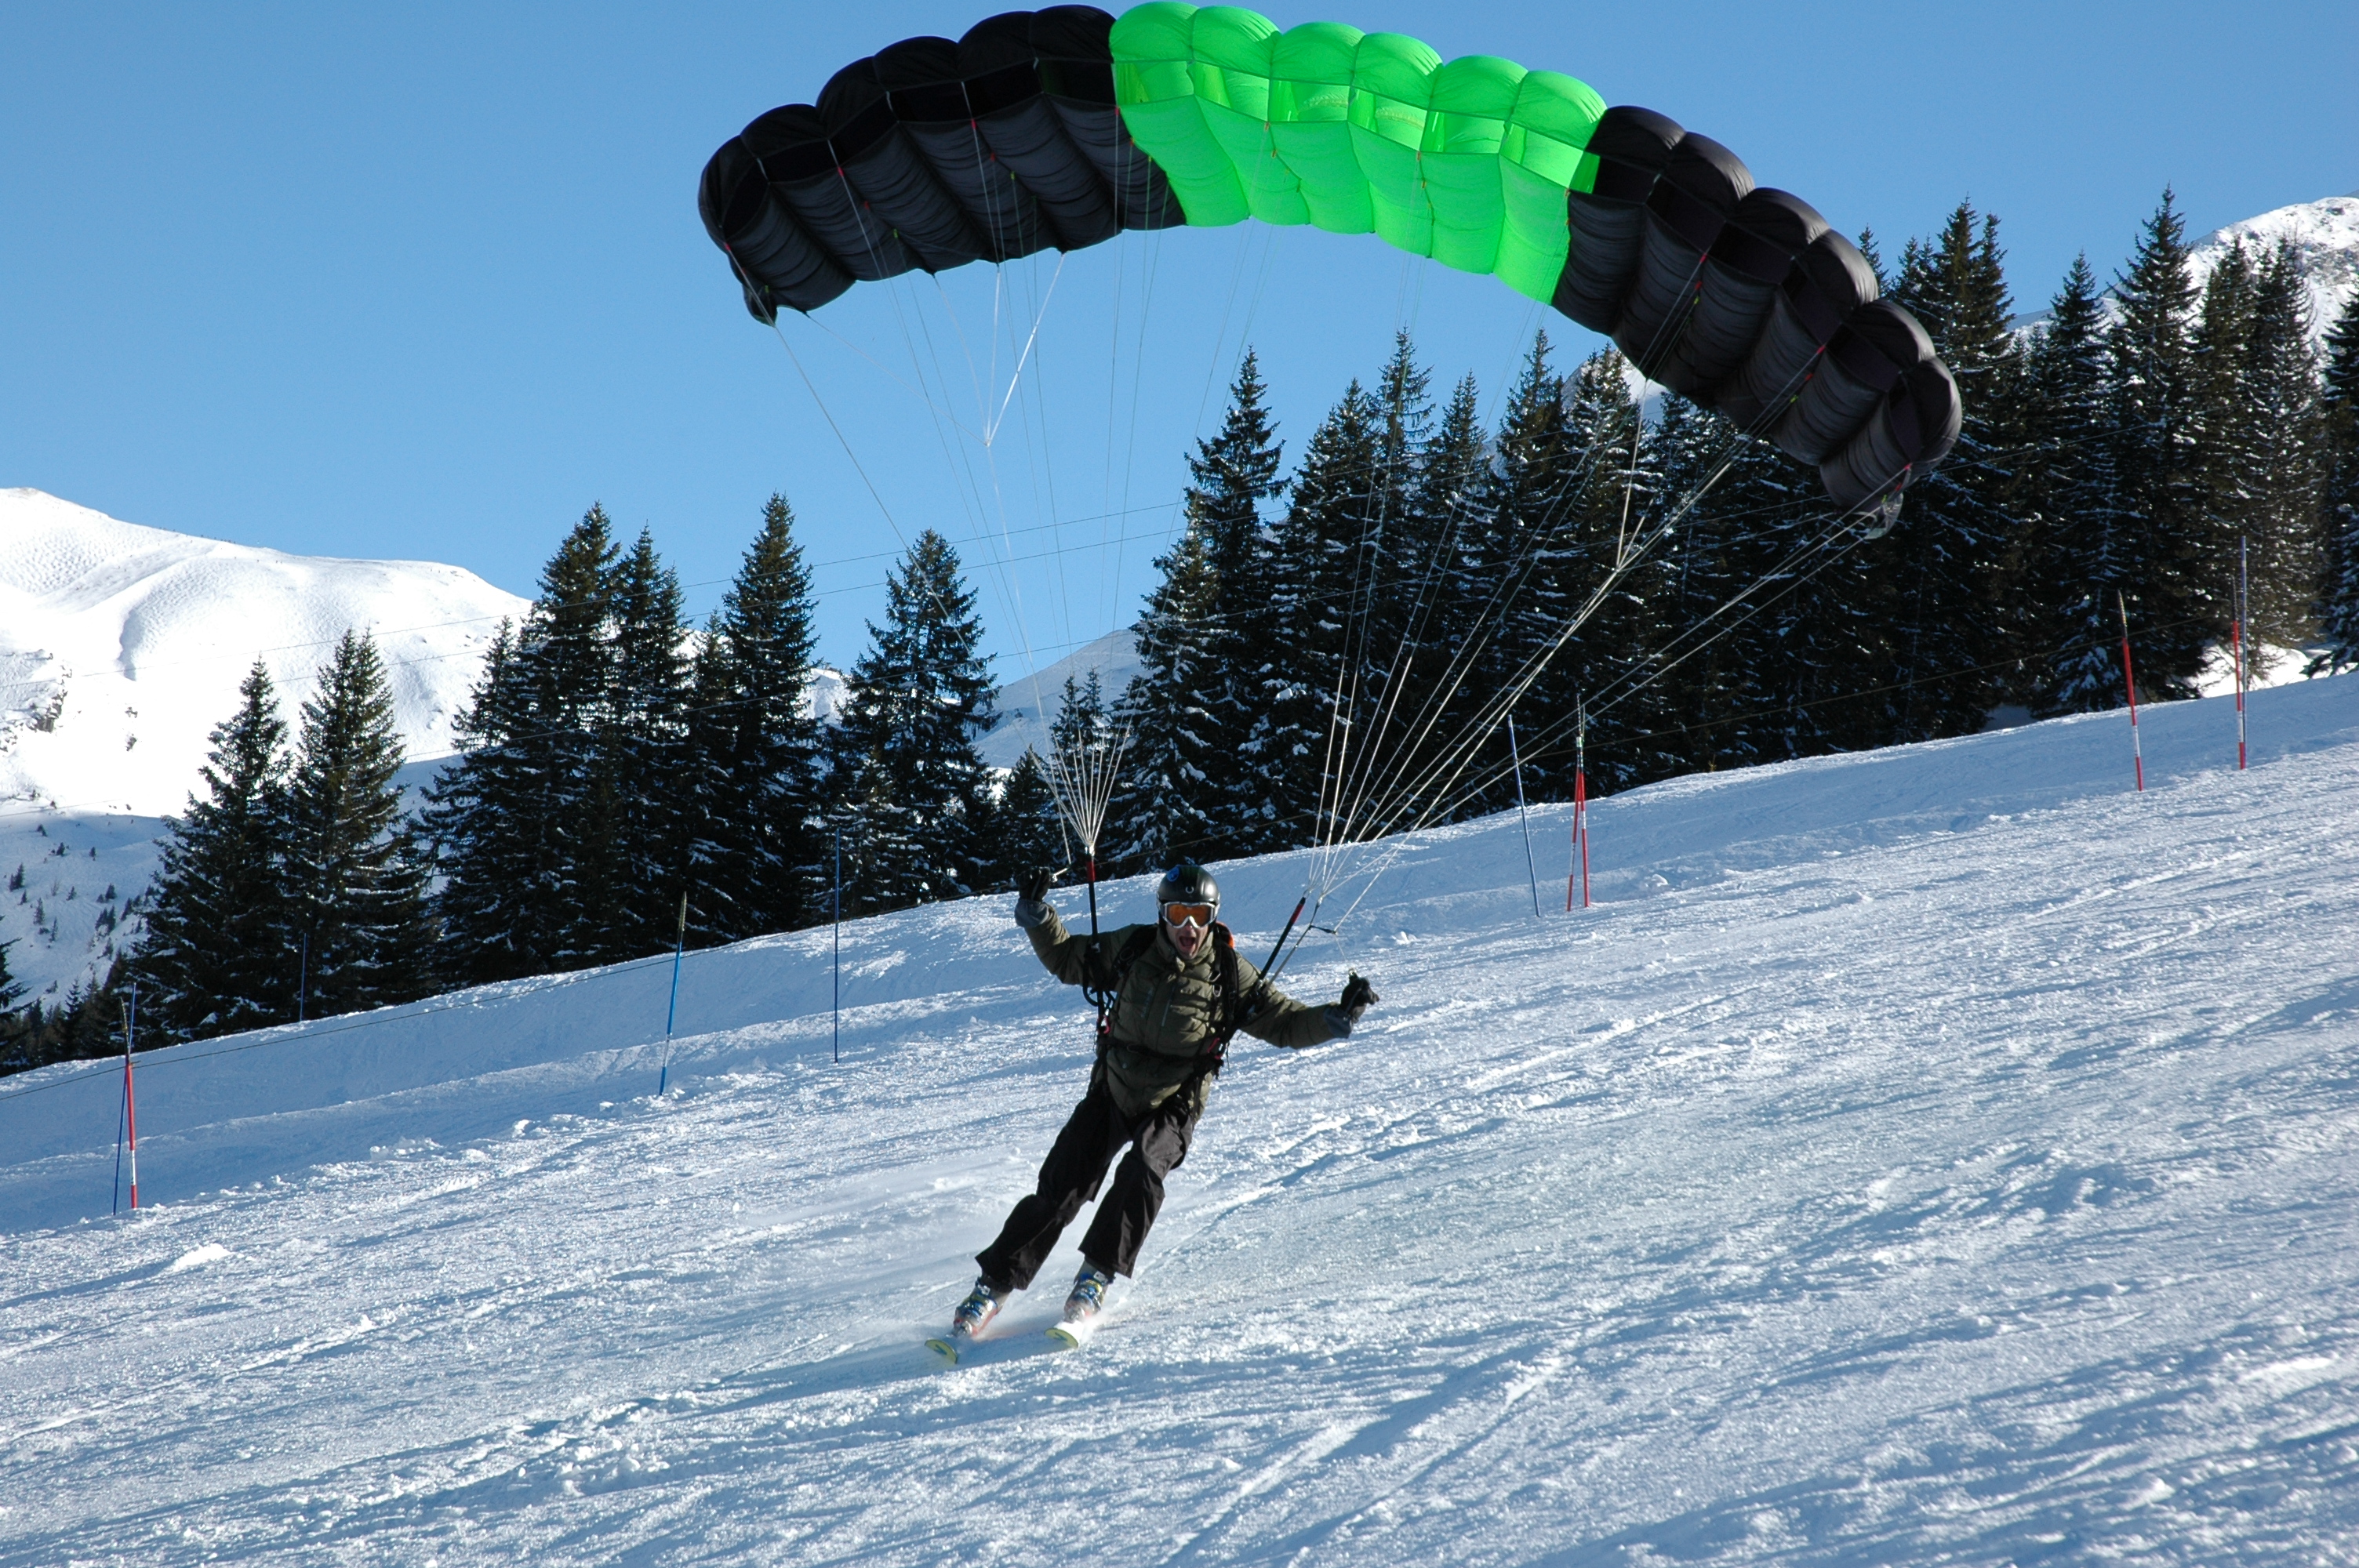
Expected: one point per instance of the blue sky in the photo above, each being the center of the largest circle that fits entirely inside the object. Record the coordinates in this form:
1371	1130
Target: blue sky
425	281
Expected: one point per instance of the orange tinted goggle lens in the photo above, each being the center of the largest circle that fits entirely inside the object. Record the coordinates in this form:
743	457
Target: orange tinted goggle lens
1187	914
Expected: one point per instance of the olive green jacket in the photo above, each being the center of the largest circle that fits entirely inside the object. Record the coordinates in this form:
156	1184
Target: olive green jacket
1169	1010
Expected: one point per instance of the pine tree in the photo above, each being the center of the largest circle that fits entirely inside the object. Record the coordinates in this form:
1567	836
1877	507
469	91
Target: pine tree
757	748
2281	451
1684	687
1319	566
355	877
906	757
519	819
1229	478
635	860
1164	806
2337	605
1874	255
1438	547
478	829
2227	485
1524	570
217	956
1599	528
2155	418
1769	624
1940	574
2077	551
1030	834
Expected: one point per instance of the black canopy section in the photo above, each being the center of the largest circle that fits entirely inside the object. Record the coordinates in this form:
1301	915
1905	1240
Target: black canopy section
932	153
1744	299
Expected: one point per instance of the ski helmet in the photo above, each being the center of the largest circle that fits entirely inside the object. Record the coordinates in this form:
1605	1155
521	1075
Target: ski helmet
1187	882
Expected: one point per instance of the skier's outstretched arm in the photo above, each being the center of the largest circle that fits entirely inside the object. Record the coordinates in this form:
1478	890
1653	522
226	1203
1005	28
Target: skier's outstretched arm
1278	1018
1060	952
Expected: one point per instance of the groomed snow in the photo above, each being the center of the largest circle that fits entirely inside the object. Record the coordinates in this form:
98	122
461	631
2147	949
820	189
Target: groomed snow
1939	1154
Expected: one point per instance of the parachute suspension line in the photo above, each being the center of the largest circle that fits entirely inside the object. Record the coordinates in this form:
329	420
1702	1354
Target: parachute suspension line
1821	547
1082	775
921	393
1443	776
1489	718
1343	703
854	458
1793	563
1629	555
1246	233
1138	387
1015	376
1414	628
1488	624
1492	620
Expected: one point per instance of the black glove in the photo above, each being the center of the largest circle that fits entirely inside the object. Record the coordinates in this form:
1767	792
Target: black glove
1032	909
1358	997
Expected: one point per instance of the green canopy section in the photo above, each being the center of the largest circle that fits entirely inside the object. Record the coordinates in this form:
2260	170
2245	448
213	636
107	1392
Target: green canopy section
1467	161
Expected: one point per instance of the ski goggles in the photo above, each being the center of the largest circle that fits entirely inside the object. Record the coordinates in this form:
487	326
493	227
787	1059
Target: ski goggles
1189	913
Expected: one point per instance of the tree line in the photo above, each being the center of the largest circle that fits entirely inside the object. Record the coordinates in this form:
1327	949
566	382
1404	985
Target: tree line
1323	644
2114	454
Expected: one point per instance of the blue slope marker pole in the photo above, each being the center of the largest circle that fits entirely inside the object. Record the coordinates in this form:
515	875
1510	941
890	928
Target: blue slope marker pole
1531	866
671	1010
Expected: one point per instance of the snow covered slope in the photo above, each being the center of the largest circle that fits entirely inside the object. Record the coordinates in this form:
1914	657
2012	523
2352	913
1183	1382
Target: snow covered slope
1935	1154
122	646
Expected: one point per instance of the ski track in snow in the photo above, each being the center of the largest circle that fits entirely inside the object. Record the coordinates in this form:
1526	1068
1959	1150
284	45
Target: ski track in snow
1920	1176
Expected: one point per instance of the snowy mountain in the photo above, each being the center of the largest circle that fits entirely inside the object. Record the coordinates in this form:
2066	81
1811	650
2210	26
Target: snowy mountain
1021	703
122	646
1939	1154
2324	234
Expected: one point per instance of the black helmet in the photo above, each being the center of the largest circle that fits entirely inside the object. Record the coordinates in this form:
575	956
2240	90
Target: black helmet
1187	882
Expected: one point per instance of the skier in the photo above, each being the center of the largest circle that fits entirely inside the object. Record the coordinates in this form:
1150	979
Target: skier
1170	994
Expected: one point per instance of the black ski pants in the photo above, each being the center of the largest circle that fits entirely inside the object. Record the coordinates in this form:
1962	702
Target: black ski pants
1069	1176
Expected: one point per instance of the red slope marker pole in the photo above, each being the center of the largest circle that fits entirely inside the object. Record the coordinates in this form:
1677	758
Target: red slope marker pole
1580	814
2129	683
2237	638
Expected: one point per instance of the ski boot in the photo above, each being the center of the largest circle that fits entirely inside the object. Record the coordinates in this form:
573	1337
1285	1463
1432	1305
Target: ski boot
982	1304
1083	1307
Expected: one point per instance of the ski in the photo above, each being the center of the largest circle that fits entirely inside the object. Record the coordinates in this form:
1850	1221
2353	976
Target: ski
945	1345
1074	1332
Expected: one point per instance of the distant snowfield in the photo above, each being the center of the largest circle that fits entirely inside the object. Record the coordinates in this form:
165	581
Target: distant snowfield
1940	1154
122	648
2325	238
1020	703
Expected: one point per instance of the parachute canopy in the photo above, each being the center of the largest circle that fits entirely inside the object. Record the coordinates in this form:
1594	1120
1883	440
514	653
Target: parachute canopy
1061	128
